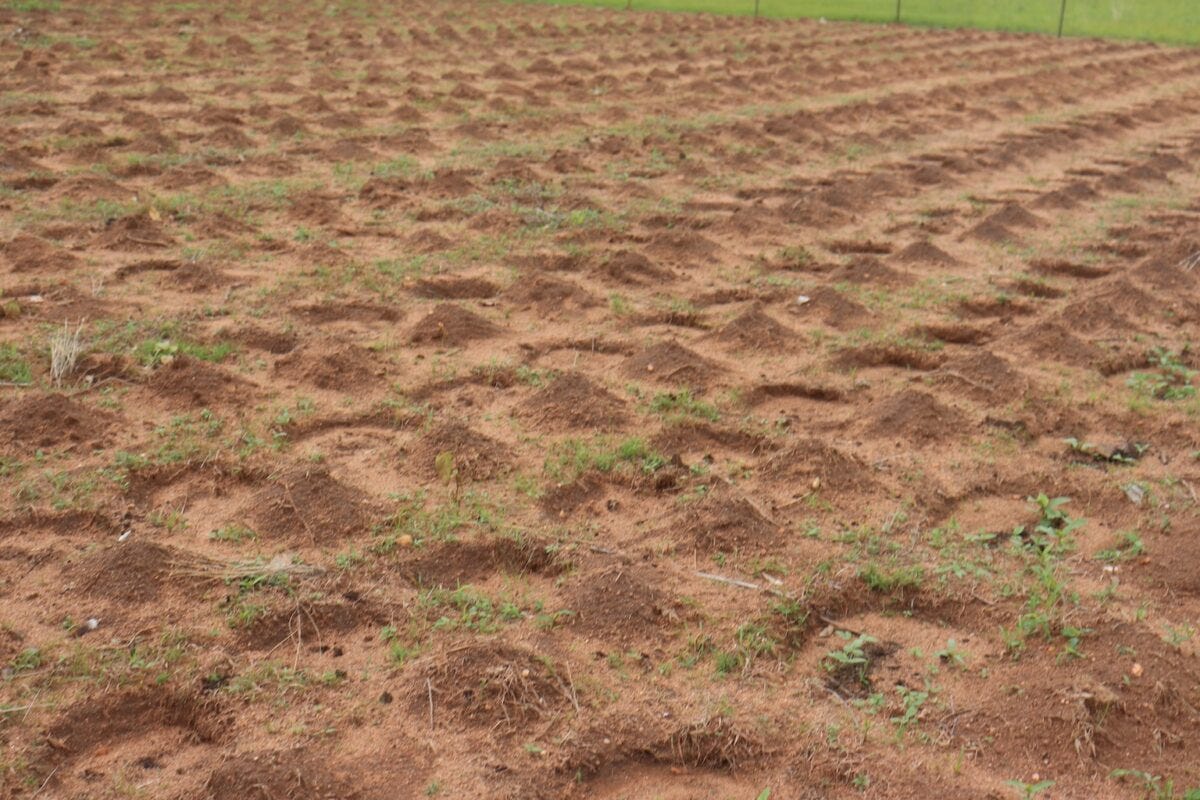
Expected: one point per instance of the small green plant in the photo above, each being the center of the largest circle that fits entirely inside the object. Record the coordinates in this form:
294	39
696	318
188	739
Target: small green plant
569	459
913	701
474	610
1052	533
400	653
1179	635
171	520
155	352
727	662
952	655
448	474
26	6
885	580
682	404
27	660
1073	636
233	533
1172	380
1155	786
795	257
13	368
853	654
1130	546
1028	791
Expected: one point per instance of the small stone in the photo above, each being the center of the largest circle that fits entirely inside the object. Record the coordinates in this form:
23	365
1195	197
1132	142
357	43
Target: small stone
405	540
385	698
816	483
1136	670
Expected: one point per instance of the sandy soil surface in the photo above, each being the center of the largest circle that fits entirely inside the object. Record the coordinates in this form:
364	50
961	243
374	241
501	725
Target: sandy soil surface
499	401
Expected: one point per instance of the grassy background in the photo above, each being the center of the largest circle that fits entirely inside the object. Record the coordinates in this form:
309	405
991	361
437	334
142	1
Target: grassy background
1175	21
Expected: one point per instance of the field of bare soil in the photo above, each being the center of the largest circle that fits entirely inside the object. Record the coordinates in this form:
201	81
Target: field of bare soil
479	400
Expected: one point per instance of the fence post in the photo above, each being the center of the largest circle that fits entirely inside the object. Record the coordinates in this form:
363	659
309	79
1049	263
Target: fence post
629	5
1062	15
897	10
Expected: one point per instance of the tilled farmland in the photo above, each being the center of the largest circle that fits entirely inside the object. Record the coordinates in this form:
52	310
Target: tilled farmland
481	400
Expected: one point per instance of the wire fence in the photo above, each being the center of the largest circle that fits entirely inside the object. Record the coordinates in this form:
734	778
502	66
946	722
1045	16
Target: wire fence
1172	21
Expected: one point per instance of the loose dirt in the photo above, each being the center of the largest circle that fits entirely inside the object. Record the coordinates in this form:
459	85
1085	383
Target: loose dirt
519	401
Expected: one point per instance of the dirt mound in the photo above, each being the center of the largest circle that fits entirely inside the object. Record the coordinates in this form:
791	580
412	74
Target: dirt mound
136	233
819	392
833	309
476	457
621	605
198	384
888	355
984	375
992	233
453	563
754	329
453	288
631	268
135	571
993	306
317	208
1054	341
1014	215
1065	268
166	94
573	402
88	189
287	125
25	253
548	295
713	743
858	247
724	520
925	252
452	325
256	338
52	421
427	241
1068	196
310	506
869	270
347	311
953	333
313	625
342	369
672	364
914	416
810	460
492	685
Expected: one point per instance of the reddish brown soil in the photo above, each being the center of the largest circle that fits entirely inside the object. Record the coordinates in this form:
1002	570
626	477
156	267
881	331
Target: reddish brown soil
485	400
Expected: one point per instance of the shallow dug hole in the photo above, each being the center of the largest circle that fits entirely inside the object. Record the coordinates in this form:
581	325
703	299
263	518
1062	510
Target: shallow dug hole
108	720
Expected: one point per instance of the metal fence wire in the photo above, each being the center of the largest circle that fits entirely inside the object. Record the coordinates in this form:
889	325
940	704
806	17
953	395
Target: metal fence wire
1176	21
